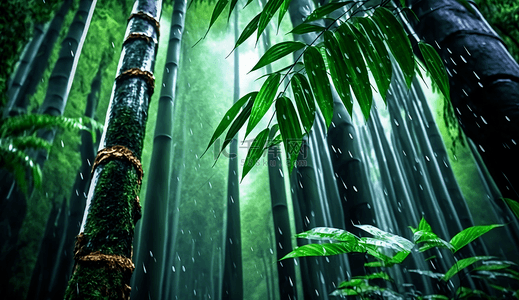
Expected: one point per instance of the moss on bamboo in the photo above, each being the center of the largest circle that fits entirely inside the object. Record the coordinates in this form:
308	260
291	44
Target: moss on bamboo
108	231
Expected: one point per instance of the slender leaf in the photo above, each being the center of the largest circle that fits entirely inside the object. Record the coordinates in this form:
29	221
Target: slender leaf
306	28
323	250
231	9
466	293
337	67
350	283
466	236
217	11
494	265
266	15
316	71
436	68
238	123
278	51
247	32
304	100
273	131
263	101
229	117
357	72
514	206
378	275
396	241
324	10
255	152
283	10
327	233
436	297
428	273
462	264
397	41
377	42
289	128
374	62
275	141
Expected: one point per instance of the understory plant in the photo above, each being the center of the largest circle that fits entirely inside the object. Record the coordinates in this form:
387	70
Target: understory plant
18	135
385	250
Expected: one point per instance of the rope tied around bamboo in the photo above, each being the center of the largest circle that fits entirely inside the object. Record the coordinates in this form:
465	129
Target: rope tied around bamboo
148	17
122	153
135	72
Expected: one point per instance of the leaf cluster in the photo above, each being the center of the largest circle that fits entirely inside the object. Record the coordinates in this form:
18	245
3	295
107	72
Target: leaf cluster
18	135
347	54
389	249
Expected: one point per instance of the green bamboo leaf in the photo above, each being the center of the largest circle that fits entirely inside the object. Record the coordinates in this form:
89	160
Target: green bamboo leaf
266	15
367	291
22	124
275	141
436	68
327	233
273	131
231	9
238	123
400	243
247	32
263	101
306	28
337	67
324	10
466	236
217	11
290	129
466	293
316	72
514	206
356	71
304	100
25	142
376	39
378	275
229	117
492	265
397	41
462	264
435	297
350	283
323	250
255	152
428	273
374	62
276	52
291	67
283	10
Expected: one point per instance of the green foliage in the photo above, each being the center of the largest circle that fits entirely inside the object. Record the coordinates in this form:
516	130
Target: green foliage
18	135
338	241
503	16
349	53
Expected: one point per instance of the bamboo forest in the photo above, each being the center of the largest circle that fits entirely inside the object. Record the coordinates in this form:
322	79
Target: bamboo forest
259	149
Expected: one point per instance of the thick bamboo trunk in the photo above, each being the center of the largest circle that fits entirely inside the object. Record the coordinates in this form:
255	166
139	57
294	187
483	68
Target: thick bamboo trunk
104	247
484	81
233	272
20	100
151	257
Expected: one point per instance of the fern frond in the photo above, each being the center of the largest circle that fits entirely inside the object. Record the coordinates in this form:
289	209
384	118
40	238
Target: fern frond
17	162
26	142
29	123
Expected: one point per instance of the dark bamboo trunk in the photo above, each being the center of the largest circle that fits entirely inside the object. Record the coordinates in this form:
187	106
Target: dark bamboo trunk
151	258
104	247
484	81
233	272
20	100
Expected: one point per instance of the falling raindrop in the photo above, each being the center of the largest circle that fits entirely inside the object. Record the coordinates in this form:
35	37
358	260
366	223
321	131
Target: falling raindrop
62	144
463	59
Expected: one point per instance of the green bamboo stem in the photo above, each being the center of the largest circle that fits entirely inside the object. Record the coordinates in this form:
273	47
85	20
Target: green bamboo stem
103	266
